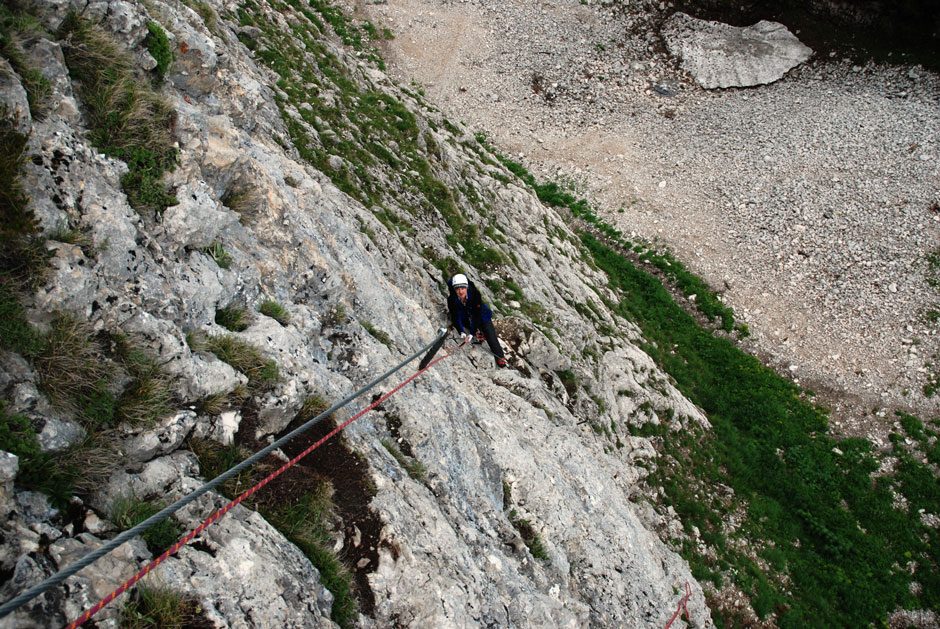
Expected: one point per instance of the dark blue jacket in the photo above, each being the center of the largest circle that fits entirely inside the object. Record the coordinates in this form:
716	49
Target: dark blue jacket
468	317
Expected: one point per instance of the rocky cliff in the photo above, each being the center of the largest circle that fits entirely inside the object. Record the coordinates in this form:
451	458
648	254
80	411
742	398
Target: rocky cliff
298	174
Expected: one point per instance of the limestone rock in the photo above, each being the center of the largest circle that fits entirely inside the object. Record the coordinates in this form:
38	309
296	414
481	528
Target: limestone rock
100	578
443	551
162	438
198	217
9	466
220	429
193	68
47	56
718	55
243	543
34	508
13	98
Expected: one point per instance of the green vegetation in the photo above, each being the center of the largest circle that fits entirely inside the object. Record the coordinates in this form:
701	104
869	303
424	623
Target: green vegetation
23	256
569	380
414	467
148	396
380	335
38	471
232	318
529	536
102	382
555	195
74	372
218	253
159	46
336	315
834	543
150	607
377	137
217	403
245	358
128	511
126	118
17	29
276	311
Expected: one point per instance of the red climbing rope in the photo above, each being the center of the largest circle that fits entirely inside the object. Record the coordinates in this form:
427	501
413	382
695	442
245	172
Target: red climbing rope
682	607
218	514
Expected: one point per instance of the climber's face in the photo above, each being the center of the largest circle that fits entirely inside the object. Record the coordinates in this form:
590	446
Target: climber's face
461	293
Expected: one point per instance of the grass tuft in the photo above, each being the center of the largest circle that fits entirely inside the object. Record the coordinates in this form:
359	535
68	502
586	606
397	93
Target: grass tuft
245	358
335	316
243	199
126	118
149	607
129	511
218	253
148	397
17	29
23	256
38	470
414	467
74	371
380	335
158	44
232	318
529	536
276	311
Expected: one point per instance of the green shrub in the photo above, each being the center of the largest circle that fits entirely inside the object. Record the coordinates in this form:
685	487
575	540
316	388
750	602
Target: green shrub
159	46
232	318
276	311
128	511
245	358
529	536
218	253
149	607
38	470
569	380
143	182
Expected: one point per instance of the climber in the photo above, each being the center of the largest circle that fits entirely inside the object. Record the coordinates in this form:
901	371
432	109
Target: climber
471	317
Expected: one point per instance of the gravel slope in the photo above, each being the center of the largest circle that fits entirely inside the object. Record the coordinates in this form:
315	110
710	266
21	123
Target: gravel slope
812	202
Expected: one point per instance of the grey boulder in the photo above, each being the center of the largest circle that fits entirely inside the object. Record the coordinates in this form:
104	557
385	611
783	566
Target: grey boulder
719	55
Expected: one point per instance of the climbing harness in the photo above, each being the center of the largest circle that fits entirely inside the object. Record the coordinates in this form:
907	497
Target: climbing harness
93	556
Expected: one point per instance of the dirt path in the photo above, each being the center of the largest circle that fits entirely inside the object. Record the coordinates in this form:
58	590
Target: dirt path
810	202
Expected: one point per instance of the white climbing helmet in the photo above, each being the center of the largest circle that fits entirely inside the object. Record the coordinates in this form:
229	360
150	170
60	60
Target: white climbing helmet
460	281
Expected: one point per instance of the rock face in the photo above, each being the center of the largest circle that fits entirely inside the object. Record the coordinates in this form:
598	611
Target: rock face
718	55
360	274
